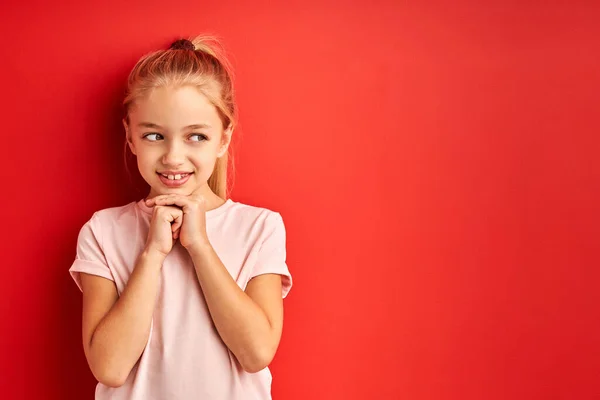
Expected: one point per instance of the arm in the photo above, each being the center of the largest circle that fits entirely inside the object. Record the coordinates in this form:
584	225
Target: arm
250	323
115	329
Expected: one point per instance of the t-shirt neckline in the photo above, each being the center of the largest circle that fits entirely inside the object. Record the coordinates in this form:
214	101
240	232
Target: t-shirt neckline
209	214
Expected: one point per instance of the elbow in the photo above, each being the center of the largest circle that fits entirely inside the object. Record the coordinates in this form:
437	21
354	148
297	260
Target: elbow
111	379
110	376
108	369
257	362
255	366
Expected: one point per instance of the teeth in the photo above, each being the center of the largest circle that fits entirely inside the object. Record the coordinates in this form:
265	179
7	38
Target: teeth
175	177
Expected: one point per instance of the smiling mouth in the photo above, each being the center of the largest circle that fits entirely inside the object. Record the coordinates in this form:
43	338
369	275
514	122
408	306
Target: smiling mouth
175	177
174	180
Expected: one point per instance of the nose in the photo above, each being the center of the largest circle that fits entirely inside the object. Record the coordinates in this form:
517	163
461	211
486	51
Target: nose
174	155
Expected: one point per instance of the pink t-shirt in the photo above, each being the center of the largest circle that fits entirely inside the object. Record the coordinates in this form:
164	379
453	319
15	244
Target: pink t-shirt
185	357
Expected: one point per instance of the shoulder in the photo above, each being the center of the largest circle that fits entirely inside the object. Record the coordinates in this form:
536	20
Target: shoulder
254	224
252	214
115	213
109	216
109	227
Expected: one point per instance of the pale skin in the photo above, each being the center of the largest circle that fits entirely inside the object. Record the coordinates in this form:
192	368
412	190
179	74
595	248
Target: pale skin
115	329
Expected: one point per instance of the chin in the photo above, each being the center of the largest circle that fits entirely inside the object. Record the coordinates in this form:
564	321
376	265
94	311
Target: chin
161	190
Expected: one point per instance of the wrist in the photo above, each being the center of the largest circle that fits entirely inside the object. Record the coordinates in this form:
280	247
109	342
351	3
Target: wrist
152	256
199	247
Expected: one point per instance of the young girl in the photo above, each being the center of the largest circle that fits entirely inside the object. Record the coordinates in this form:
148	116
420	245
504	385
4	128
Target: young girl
182	290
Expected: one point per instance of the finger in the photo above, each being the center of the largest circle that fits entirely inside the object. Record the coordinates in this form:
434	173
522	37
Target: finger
152	201
184	203
178	201
177	222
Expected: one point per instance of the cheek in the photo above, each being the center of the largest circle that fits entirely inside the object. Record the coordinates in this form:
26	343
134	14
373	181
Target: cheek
204	166
205	159
149	154
146	162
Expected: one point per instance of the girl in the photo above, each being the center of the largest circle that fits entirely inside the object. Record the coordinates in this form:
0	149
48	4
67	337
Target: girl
182	291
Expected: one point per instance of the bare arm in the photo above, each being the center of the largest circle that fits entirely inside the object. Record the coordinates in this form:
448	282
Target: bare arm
115	329
250	323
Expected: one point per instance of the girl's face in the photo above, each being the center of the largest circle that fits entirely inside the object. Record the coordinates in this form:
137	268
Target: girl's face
177	136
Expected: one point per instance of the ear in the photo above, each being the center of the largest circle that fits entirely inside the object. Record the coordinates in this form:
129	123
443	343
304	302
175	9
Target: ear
128	137
225	141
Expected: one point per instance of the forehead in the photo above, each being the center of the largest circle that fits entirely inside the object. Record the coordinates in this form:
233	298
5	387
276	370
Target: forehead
175	106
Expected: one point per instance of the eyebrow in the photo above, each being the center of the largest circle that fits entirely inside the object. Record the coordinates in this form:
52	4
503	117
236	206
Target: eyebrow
151	125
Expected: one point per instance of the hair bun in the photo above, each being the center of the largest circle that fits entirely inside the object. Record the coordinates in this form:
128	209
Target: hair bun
182	44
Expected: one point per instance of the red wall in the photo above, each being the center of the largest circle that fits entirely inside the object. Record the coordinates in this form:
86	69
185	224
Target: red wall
435	164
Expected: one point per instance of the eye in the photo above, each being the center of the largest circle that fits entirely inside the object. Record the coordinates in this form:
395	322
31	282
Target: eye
196	137
153	137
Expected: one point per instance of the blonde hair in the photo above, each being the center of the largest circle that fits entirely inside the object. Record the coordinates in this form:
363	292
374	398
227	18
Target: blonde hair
201	63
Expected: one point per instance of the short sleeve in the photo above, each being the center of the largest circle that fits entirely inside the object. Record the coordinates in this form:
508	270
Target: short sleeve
90	257
272	253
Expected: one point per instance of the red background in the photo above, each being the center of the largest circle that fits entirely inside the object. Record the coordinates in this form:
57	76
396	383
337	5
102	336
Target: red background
435	164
